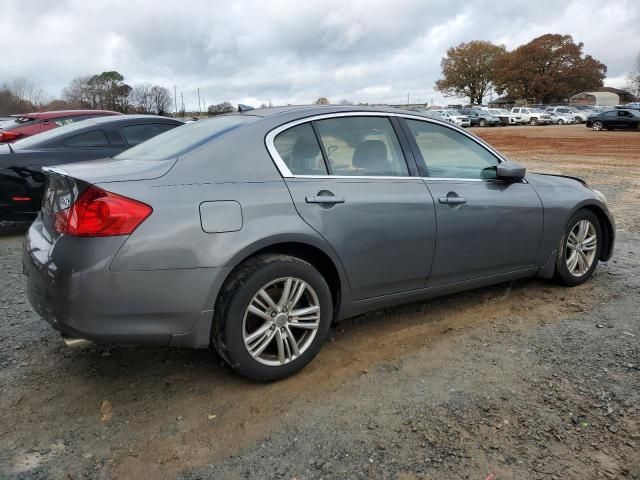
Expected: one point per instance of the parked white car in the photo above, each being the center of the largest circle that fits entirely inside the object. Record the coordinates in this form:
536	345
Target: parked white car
454	117
571	111
532	116
562	119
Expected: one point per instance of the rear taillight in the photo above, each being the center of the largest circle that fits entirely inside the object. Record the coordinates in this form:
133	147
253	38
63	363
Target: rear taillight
98	213
9	136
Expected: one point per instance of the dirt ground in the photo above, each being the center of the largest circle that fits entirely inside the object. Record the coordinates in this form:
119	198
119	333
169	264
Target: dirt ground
525	380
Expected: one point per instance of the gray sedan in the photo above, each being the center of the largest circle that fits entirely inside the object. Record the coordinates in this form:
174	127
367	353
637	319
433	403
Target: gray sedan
253	232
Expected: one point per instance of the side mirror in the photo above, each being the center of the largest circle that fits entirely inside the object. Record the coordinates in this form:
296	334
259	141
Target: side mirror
510	171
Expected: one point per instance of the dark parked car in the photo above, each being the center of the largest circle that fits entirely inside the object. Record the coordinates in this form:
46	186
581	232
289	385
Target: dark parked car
21	177
616	118
254	231
25	125
481	118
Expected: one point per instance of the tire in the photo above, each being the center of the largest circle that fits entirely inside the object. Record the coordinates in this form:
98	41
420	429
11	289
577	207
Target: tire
533	121
560	122
274	352
482	122
567	272
598	125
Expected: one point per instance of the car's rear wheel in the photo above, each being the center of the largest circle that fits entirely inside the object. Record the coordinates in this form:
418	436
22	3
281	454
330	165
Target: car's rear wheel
579	249
598	125
533	121
560	122
482	122
272	317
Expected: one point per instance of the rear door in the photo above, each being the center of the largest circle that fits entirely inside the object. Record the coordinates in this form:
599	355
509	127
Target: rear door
485	226
350	181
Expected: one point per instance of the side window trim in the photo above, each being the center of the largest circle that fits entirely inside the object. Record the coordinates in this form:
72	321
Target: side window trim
423	164
281	166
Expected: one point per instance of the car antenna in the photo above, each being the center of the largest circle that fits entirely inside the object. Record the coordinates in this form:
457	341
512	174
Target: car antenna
244	108
11	148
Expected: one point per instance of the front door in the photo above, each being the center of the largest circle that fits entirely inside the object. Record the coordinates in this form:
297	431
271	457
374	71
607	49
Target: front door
485	226
355	189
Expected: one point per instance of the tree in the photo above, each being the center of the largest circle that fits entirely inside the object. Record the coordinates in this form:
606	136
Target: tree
549	68
161	99
224	107
322	101
141	97
77	94
106	90
346	101
633	79
21	96
467	70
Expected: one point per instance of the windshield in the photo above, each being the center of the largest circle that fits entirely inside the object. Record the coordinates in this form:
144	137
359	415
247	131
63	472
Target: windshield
455	113
36	140
494	112
180	140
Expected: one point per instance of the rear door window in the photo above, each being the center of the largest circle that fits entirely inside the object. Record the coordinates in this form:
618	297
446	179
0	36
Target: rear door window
362	146
135	134
299	149
91	139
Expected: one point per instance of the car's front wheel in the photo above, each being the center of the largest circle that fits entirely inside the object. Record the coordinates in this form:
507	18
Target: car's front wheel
560	122
533	121
272	317
579	249
598	125
482	122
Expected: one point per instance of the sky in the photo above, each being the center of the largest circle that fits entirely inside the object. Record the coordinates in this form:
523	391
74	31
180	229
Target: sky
292	51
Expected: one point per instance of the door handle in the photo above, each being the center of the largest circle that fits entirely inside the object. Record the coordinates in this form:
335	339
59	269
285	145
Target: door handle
326	199
452	200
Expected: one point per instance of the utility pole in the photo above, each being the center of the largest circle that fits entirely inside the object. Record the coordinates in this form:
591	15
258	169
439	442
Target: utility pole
175	99
182	100
408	103
199	105
204	105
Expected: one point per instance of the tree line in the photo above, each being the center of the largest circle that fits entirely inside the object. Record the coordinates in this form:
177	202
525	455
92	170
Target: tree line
550	68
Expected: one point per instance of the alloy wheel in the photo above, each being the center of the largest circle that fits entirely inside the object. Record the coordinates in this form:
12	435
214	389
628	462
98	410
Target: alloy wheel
281	321
580	252
597	125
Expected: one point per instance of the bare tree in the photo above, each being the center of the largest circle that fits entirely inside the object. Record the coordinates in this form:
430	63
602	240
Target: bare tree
161	99
142	97
633	79
322	101
345	101
28	93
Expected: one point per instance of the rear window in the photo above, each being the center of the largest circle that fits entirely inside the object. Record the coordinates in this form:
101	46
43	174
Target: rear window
90	139
18	122
50	135
181	140
135	134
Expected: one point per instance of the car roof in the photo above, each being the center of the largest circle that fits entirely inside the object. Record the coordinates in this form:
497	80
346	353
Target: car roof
129	118
311	110
65	113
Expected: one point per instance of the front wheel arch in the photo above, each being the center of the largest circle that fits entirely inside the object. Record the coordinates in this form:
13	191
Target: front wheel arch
608	232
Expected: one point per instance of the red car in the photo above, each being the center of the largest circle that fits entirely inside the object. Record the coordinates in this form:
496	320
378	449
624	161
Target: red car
31	123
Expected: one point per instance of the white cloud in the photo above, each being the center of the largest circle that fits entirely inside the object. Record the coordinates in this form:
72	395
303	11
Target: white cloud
288	51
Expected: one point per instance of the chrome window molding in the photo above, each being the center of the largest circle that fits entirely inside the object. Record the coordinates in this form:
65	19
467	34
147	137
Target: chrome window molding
286	173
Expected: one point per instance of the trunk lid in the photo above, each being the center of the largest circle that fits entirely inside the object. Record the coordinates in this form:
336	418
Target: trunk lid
116	170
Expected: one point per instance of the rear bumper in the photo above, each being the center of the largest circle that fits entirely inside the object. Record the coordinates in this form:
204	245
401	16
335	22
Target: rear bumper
70	286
